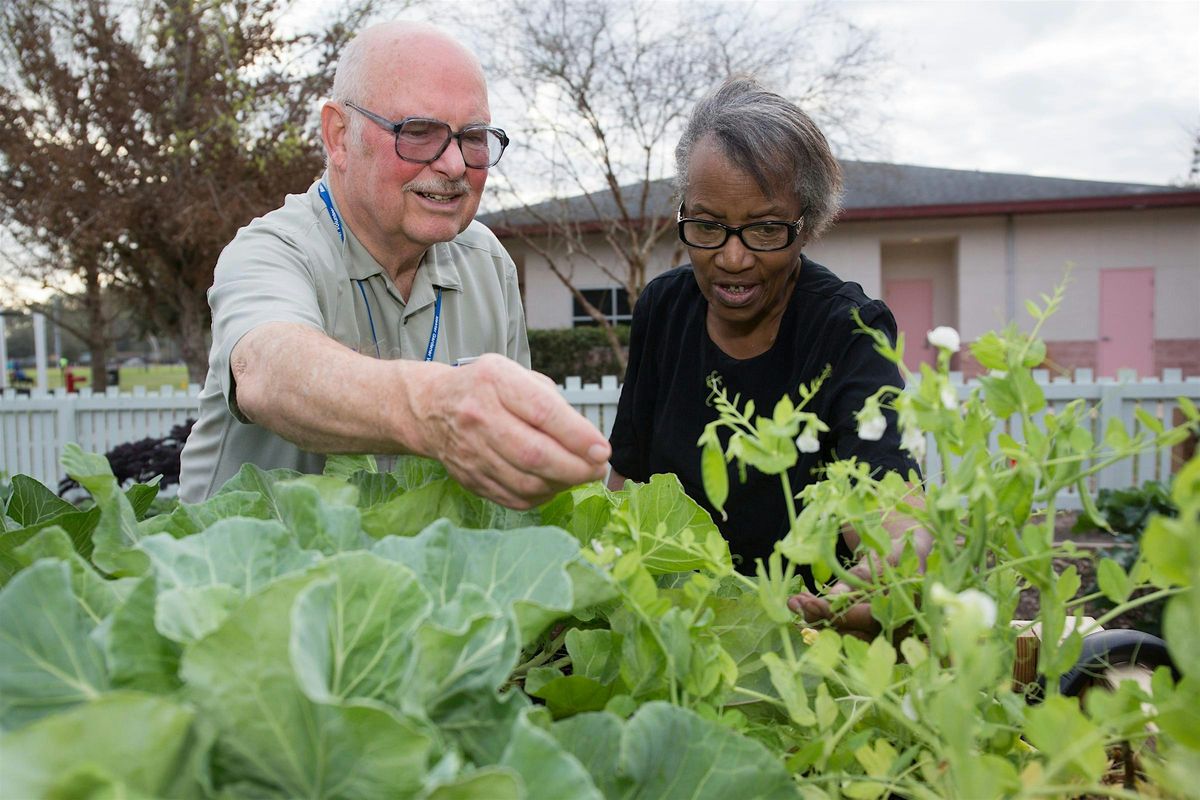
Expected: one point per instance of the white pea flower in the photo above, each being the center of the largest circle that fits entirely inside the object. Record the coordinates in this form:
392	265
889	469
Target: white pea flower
937	593
597	547
979	606
617	552
946	338
871	423
949	398
907	707
913	441
807	441
970	605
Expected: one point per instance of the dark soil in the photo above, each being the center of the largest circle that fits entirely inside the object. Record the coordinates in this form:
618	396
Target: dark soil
1093	546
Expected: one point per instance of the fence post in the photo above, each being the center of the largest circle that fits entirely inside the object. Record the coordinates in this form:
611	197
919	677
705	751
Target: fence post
66	428
1112	397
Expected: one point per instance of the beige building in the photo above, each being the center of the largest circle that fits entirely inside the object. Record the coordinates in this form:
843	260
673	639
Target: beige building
958	248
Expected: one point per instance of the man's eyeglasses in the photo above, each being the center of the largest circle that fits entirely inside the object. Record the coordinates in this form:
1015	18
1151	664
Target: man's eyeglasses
761	236
422	141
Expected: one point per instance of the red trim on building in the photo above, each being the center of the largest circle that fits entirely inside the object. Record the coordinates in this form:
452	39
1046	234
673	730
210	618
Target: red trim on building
1063	205
1058	206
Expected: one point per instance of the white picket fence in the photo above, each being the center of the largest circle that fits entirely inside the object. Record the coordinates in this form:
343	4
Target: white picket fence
1107	398
34	428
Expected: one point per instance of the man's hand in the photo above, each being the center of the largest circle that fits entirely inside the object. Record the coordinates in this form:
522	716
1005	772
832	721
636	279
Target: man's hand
506	433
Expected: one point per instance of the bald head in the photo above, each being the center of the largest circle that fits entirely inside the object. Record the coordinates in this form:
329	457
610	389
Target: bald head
392	52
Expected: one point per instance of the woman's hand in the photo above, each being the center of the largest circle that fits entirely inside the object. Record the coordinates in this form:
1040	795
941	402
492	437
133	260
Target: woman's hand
856	620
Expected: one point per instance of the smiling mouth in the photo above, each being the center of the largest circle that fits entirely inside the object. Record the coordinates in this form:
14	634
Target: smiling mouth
439	198
735	294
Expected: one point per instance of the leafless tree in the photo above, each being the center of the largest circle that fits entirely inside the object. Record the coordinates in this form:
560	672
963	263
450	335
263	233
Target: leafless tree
136	138
1193	178
608	86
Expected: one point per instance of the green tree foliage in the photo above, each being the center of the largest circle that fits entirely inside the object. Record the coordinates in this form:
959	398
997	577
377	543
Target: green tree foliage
135	139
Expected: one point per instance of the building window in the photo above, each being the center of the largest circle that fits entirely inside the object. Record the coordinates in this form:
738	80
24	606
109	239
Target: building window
612	301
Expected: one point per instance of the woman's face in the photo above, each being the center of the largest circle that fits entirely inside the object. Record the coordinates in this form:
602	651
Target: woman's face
747	290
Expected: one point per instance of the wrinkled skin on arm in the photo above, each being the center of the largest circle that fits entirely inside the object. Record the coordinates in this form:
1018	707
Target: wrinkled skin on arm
502	431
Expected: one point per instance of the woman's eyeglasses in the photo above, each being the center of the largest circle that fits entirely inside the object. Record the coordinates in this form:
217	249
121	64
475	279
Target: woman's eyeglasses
761	236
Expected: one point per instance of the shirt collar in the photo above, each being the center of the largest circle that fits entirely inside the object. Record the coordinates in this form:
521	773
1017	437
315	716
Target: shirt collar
438	267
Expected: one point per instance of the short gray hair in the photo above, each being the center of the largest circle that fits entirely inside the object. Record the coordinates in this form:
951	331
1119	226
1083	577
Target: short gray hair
350	76
773	141
350	82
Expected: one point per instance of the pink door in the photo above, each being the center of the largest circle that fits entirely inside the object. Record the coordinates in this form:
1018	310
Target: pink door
912	303
1126	321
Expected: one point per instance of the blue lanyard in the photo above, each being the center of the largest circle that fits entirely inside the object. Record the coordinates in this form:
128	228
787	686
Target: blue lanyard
433	333
437	325
333	215
437	306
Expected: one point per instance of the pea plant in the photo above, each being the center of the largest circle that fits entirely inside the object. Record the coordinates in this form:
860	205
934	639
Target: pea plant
929	708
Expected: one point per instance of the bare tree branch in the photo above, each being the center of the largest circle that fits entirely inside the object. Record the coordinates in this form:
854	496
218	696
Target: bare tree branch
608	87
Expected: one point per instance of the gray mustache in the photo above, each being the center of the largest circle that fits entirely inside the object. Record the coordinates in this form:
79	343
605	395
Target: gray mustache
459	186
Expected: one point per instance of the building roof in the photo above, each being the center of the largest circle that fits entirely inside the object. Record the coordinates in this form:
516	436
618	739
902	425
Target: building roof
876	190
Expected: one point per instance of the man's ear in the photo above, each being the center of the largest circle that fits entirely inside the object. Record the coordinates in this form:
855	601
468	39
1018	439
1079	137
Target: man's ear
335	132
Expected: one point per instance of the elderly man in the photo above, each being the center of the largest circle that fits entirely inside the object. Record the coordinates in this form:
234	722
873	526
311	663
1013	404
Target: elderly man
338	319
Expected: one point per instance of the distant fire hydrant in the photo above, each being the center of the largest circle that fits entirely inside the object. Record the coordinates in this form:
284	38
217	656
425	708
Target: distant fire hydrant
74	381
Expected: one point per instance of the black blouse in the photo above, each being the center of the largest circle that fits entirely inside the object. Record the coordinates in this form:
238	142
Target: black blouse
663	408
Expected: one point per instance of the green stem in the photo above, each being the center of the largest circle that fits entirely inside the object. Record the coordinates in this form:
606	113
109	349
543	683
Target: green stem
766	698
786	639
851	720
547	653
1103	463
1087	598
1129	605
746	582
787	495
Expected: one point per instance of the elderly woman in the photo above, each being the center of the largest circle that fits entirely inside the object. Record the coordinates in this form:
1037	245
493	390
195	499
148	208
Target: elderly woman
758	182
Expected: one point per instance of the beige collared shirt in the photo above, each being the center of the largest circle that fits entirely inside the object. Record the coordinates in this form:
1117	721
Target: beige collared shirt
296	265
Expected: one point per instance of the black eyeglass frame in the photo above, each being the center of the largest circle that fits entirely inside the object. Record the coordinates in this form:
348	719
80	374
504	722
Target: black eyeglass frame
394	127
793	229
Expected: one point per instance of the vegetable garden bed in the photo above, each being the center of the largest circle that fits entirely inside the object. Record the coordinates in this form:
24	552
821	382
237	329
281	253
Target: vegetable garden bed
388	635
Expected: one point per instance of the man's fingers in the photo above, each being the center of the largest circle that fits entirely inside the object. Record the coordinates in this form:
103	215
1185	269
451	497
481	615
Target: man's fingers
535	400
512	437
531	468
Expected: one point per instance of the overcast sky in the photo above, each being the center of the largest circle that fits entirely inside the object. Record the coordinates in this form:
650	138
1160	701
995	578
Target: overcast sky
1098	90
1095	89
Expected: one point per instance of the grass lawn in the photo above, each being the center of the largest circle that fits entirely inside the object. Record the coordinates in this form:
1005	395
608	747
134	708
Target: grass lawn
151	376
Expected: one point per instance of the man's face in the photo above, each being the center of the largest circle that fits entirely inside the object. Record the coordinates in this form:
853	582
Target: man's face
402	202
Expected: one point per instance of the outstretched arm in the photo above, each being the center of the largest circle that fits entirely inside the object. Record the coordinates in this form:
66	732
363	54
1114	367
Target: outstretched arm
501	430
